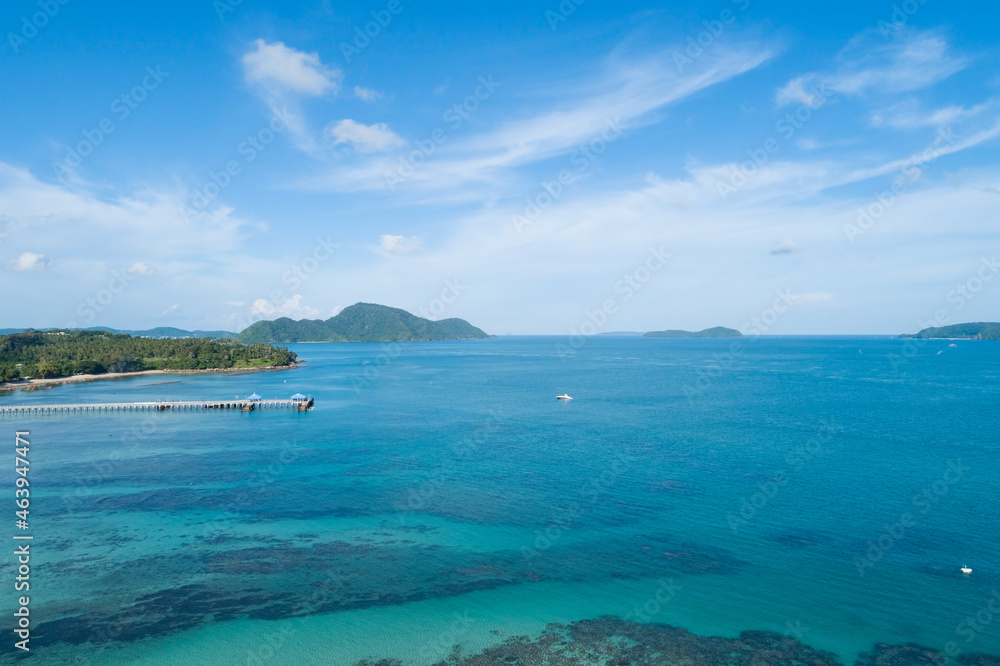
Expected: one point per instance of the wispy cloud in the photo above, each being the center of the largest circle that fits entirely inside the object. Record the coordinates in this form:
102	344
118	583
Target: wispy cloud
366	94
281	76
363	138
399	244
626	96
28	261
912	60
785	246
274	64
139	268
291	307
909	114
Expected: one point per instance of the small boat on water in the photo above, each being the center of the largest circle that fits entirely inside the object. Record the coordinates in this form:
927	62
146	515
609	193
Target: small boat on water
953	345
966	570
564	396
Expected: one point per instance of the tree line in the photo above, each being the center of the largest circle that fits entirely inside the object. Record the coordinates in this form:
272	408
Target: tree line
49	354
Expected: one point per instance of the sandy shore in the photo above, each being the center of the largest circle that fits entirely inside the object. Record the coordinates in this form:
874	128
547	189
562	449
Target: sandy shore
36	384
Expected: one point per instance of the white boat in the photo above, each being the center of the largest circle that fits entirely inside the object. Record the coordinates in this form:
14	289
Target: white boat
966	570
564	396
953	345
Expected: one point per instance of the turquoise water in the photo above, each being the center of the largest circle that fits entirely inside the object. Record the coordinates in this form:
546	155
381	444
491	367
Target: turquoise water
439	495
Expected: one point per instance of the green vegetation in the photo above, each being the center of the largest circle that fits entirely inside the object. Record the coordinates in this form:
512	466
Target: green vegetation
160	332
716	332
973	331
64	353
362	322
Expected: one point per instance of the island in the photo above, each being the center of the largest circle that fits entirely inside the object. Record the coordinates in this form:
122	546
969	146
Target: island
981	330
64	354
715	332
160	332
361	322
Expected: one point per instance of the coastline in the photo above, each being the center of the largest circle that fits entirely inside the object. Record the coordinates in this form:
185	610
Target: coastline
36	384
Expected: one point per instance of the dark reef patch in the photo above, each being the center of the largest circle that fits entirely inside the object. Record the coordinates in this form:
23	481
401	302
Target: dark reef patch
609	641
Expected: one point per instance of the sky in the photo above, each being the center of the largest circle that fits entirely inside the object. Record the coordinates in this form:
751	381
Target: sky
531	167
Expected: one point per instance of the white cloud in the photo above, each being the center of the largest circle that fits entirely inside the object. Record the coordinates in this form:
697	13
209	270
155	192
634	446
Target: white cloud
626	98
285	67
366	94
291	307
399	244
910	115
364	138
139	268
234	304
173	308
810	297
912	60
28	261
785	246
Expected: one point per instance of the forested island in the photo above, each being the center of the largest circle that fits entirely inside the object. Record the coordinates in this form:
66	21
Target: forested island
54	354
715	332
362	322
980	330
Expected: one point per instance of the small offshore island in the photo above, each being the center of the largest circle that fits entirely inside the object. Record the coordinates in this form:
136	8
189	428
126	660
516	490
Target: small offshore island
980	330
714	332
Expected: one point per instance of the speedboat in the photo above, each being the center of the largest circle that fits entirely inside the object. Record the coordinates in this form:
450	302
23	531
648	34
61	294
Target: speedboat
966	570
564	396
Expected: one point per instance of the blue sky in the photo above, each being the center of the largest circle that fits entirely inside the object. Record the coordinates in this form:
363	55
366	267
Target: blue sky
525	166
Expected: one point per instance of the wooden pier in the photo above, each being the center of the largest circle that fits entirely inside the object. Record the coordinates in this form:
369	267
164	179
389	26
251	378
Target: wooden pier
233	405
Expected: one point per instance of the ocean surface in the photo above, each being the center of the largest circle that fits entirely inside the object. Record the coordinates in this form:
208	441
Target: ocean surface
790	500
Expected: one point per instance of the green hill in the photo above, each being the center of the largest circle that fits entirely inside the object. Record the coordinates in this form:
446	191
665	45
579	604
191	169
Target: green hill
716	332
972	331
362	322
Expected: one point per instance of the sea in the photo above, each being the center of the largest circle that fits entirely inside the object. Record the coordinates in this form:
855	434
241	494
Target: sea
770	500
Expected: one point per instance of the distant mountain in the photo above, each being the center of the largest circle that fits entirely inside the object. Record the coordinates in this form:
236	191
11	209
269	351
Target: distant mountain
972	331
716	332
362	322
163	332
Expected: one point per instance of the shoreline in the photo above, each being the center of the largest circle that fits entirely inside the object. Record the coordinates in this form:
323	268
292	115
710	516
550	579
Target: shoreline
37	384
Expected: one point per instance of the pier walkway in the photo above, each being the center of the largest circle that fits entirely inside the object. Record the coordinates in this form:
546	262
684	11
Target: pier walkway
243	405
